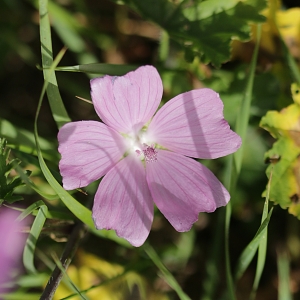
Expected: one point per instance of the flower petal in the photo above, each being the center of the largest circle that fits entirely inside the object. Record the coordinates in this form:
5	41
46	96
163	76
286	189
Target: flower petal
127	102
123	201
192	124
88	149
181	188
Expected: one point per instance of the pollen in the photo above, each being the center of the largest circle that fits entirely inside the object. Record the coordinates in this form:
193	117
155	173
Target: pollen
150	153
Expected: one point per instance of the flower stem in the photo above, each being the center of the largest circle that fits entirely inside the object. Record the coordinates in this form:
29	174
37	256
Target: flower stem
74	240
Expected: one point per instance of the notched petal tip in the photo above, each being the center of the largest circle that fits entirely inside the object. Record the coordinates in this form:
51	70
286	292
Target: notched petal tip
193	124
129	101
182	188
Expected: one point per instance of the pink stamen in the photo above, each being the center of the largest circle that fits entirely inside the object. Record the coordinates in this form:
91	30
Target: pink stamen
150	153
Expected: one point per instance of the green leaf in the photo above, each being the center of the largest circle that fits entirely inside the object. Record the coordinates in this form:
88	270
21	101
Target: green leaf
206	28
285	154
8	185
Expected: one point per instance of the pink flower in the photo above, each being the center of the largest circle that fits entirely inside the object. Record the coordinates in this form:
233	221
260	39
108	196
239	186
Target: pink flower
144	159
12	245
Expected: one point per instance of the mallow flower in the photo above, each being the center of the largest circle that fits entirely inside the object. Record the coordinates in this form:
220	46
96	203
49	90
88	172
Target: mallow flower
12	245
147	157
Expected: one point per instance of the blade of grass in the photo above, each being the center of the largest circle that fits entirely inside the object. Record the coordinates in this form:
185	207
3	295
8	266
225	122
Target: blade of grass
30	184
67	280
20	296
80	211
284	292
23	140
212	278
163	50
236	159
104	282
30	209
50	214
36	228
135	267
244	114
59	112
73	242
249	252
262	248
99	68
169	278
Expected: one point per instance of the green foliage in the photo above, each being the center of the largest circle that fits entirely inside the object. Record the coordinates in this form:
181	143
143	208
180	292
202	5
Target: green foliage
8	184
204	28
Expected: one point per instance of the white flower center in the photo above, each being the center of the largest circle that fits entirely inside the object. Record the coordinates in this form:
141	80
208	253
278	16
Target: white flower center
140	146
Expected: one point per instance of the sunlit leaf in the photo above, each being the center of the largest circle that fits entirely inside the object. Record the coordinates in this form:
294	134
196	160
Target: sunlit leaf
205	28
284	155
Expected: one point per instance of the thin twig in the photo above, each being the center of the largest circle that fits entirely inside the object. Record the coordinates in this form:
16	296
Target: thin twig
66	258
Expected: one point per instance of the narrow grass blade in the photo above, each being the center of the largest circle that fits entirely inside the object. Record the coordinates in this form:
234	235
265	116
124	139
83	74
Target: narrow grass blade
213	276
244	115
32	280
23	140
284	292
163	50
80	211
36	228
262	249
30	209
99	68
249	252
229	280
30	184
20	296
67	279
169	278
234	169
104	282
59	112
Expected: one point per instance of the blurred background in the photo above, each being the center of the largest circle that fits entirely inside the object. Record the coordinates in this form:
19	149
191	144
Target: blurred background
113	33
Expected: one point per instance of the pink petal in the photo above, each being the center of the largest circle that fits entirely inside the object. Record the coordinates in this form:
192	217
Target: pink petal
127	102
181	188
123	201
88	149
193	124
